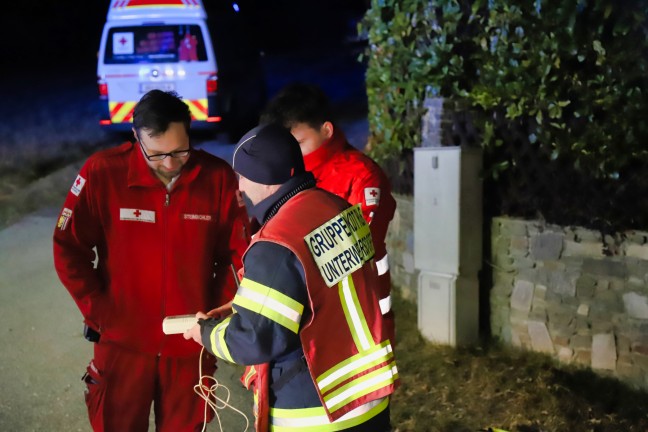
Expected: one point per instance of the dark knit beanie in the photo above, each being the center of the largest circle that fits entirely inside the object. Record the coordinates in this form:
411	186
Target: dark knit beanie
269	155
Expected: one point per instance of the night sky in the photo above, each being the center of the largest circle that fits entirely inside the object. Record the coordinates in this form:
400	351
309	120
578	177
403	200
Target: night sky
46	35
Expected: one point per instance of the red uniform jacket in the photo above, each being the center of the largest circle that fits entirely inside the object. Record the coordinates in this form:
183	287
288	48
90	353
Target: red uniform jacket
158	253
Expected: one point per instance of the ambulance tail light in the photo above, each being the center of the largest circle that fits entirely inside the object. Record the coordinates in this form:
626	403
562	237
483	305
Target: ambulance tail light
103	90
212	85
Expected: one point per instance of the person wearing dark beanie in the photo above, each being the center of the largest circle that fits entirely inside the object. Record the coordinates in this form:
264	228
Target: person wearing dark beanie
269	155
307	308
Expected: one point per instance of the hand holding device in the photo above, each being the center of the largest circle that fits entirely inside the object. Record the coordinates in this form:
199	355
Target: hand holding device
178	323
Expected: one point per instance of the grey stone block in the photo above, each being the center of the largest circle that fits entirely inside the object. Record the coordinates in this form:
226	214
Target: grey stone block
636	305
600	326
520	262
510	227
602	285
540	339
604	267
522	296
604	351
637	251
637	237
587	235
584	249
581	342
585	286
546	246
565	354
563	283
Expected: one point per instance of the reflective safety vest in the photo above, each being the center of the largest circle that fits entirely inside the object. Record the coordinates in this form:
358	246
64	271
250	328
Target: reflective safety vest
350	174
343	338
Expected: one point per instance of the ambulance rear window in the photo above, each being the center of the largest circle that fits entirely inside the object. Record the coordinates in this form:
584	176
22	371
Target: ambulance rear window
155	44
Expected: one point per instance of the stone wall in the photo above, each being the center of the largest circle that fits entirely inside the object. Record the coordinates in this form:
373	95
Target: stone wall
573	294
564	291
400	244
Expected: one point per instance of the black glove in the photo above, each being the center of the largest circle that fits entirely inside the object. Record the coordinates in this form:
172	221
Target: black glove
91	334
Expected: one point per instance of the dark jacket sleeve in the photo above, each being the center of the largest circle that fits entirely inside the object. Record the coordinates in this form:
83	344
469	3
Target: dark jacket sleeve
259	330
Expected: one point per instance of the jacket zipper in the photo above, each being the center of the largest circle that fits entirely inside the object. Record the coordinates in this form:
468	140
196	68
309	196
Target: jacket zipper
165	248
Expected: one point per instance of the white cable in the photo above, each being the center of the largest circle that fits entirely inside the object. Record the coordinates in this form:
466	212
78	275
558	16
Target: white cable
205	392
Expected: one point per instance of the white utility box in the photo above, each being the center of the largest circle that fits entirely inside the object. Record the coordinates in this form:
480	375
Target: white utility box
448	210
448	242
448	308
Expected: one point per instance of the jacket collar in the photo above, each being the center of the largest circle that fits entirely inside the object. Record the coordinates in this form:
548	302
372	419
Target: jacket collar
319	157
139	173
264	210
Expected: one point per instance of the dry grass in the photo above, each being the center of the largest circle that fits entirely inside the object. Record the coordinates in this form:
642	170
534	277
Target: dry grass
42	131
470	389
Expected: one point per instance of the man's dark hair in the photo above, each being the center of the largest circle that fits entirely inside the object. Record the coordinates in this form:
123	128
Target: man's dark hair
298	103
157	109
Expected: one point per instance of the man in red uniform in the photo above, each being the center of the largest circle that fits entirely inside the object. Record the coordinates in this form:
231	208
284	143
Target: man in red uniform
339	168
163	223
306	314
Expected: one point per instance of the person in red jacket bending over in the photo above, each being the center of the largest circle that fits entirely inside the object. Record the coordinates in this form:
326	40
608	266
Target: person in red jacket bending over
340	169
164	225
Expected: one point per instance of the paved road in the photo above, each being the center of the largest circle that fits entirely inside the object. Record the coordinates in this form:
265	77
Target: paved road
42	351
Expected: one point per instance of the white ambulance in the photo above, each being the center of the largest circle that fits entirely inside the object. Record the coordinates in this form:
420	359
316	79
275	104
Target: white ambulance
163	44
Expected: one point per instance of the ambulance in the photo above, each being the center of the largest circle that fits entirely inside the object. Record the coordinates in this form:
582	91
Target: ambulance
157	44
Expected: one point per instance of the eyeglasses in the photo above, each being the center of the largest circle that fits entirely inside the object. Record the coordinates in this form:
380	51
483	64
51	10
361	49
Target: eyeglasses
160	156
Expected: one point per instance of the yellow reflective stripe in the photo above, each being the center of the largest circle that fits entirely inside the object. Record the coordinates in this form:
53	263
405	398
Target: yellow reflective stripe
356	365
217	340
361	386
270	303
198	108
316	420
354	315
121	112
248	376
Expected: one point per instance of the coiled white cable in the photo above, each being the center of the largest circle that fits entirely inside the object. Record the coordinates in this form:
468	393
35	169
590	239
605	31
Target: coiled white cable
208	394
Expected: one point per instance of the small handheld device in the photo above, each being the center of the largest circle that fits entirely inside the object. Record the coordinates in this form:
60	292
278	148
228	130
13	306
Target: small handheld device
91	334
178	323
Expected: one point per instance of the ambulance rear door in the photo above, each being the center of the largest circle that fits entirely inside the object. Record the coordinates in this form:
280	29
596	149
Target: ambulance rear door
137	56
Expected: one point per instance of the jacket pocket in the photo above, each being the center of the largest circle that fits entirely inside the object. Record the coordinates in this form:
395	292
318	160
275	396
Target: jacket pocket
94	394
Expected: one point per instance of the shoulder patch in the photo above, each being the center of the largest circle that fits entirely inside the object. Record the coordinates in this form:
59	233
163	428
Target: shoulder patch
63	220
77	186
372	196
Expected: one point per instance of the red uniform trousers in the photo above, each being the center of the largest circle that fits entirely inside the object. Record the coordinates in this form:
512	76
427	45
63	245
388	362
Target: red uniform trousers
122	385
